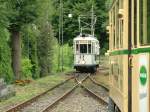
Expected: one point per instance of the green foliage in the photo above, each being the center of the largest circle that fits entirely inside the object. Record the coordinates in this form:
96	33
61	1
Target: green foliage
32	19
45	39
5	56
5	51
29	42
22	12
44	45
26	68
67	58
4	14
104	49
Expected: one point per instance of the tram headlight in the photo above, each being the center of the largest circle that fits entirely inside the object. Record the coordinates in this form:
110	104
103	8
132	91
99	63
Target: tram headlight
83	62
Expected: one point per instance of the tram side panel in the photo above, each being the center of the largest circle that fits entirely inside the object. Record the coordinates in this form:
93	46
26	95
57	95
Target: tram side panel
119	80
135	81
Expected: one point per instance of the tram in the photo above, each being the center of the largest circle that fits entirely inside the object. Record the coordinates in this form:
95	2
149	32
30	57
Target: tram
86	53
86	45
129	52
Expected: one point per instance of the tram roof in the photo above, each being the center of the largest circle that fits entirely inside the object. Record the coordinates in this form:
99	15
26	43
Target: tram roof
85	37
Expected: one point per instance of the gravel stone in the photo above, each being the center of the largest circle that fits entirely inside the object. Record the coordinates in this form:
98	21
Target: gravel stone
48	99
79	101
97	89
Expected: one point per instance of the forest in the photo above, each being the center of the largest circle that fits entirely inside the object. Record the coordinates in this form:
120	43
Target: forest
29	35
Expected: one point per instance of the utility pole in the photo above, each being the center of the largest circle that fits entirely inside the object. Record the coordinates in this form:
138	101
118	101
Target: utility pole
59	39
79	24
62	36
92	21
28	48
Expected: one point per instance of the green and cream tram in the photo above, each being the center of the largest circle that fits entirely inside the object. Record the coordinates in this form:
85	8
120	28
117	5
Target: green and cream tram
129	51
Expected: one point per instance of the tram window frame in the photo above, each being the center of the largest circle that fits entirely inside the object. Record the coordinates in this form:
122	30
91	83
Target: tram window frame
77	48
89	47
144	25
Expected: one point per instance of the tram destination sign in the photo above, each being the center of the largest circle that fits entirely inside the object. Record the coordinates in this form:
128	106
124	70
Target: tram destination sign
83	41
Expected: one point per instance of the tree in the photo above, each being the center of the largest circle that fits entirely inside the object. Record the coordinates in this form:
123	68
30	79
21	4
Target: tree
81	7
30	34
5	51
22	12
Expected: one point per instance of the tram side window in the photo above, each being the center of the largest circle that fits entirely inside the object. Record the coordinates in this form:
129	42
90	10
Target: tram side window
144	22
135	23
148	21
83	48
117	25
114	30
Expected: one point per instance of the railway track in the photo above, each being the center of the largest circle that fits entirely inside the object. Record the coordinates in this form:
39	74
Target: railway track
59	99
79	82
28	102
65	94
97	89
97	97
99	84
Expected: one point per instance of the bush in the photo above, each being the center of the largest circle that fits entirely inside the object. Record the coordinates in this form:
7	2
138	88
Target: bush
26	68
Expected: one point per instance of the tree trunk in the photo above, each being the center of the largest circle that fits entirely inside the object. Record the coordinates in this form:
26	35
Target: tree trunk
16	53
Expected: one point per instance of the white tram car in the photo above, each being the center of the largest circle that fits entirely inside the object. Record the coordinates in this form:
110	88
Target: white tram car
86	53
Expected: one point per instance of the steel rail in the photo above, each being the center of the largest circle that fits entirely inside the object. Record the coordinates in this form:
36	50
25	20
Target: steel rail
59	99
28	102
94	95
64	95
99	84
79	82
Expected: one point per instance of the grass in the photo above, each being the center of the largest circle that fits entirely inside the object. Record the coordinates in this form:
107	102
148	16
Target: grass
26	92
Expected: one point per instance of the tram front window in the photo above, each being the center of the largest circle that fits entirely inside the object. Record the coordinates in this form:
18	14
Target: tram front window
83	48
89	48
144	22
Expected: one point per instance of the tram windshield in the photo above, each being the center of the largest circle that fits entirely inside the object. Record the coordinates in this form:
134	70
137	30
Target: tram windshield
83	48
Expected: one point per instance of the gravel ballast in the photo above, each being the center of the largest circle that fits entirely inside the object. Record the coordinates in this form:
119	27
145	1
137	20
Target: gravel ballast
79	101
47	99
